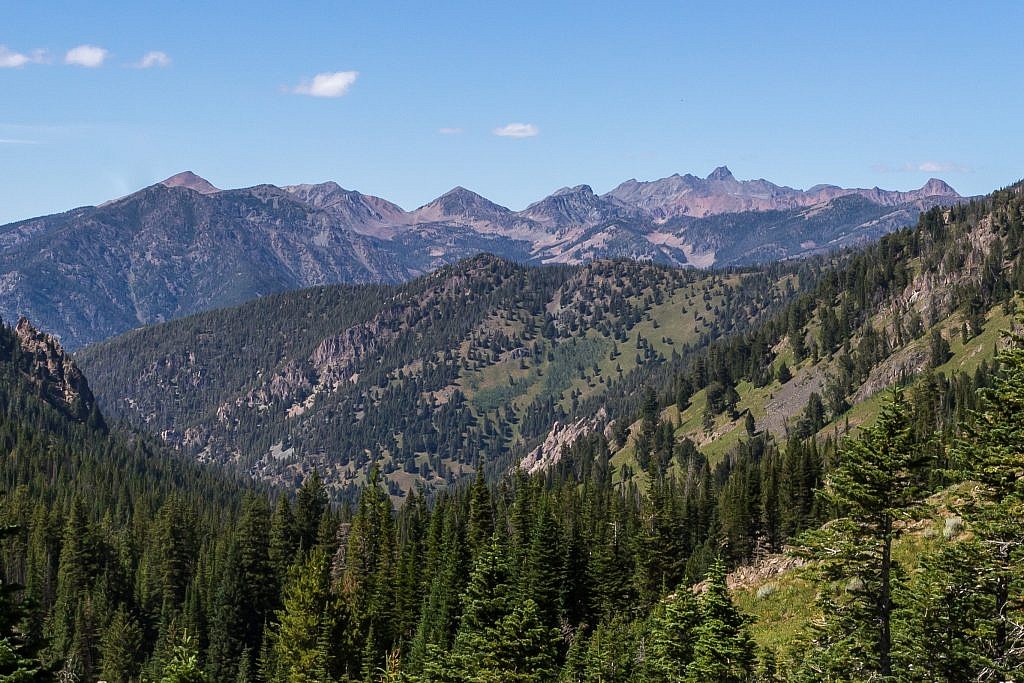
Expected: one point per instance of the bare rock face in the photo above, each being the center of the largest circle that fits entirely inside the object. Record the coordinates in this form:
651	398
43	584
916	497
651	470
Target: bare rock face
362	213
46	365
560	437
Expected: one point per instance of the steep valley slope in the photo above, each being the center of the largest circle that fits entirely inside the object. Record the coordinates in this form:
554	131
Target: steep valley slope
483	361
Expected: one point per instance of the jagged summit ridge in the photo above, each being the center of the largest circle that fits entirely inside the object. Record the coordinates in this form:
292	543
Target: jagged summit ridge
722	193
182	246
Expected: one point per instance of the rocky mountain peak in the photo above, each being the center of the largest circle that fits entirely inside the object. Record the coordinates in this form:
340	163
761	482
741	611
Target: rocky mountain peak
459	201
49	367
353	209
721	173
460	193
190	181
584	190
938	188
574	207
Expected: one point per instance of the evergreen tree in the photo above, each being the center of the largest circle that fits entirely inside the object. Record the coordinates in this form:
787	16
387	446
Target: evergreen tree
306	618
310	505
945	631
671	637
283	542
19	659
876	485
611	652
992	455
120	645
183	666
481	513
784	374
500	638
723	649
543	575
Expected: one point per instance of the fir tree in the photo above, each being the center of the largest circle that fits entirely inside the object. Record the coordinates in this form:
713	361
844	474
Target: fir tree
304	620
876	484
120	645
183	666
671	637
723	649
945	632
991	452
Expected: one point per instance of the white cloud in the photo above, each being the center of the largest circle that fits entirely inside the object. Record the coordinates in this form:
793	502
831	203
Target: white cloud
449	131
330	84
923	167
937	167
9	59
88	56
12	141
152	59
517	130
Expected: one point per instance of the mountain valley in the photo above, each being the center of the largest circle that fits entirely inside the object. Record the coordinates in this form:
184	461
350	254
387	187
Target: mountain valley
609	429
483	361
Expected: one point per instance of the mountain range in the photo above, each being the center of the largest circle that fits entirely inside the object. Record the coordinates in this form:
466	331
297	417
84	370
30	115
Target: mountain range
182	245
489	361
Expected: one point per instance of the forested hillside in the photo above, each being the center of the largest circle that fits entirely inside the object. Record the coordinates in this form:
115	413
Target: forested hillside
484	361
135	567
471	364
894	517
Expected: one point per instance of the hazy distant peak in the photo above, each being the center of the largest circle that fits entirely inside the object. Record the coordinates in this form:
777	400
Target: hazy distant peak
460	197
578	189
191	181
721	173
935	187
326	186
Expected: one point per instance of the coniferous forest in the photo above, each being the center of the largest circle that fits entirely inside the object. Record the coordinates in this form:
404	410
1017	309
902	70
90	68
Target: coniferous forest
122	560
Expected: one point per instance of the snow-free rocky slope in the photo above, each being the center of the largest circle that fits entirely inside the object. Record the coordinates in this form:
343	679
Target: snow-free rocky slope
184	246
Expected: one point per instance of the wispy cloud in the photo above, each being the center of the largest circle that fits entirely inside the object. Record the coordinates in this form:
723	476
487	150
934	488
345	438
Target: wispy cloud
153	59
939	167
9	59
88	56
449	131
330	84
13	141
517	130
923	167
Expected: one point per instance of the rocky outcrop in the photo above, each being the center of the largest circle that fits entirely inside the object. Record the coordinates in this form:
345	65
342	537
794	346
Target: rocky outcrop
561	436
577	207
59	381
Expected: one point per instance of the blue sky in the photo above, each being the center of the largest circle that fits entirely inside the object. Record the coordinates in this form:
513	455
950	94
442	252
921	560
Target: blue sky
867	94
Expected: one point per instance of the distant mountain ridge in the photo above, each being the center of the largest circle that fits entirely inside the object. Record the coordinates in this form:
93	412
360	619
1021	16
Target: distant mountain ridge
182	245
721	192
